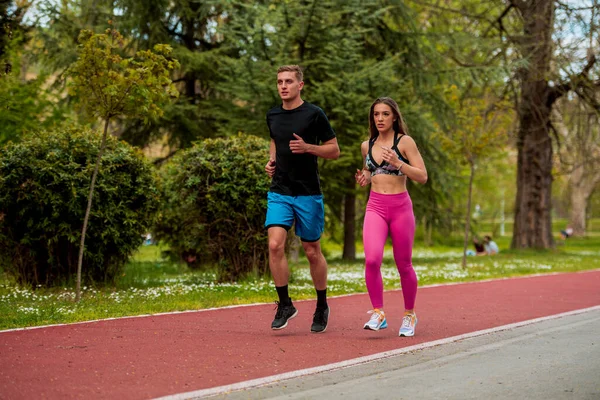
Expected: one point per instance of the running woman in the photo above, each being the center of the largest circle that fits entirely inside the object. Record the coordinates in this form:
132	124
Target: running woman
389	157
300	133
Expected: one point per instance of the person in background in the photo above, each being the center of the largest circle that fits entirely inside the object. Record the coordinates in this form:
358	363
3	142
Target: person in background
566	233
390	156
490	246
479	247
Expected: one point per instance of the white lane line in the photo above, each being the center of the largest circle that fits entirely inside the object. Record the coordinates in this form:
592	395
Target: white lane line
295	301
361	360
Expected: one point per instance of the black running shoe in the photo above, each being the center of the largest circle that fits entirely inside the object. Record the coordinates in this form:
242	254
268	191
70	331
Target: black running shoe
320	319
285	312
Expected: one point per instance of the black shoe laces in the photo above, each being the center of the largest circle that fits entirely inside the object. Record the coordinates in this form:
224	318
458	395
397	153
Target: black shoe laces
319	315
280	309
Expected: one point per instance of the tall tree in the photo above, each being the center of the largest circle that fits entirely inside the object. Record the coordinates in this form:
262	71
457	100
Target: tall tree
480	129
578	127
108	86
540	86
539	42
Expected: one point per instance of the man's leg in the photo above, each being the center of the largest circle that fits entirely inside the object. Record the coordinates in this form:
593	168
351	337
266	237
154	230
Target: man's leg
310	221
280	217
280	271
318	271
277	261
318	265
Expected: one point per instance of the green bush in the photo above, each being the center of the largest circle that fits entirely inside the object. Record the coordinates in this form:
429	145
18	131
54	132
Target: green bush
44	185
214	198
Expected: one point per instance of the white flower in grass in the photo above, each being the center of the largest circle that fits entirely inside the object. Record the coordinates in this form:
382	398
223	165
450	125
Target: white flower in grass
28	310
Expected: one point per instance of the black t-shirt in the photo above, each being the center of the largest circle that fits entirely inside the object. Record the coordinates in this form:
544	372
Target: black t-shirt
297	174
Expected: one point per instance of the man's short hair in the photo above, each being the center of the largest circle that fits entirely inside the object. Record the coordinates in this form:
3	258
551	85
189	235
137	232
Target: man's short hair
292	68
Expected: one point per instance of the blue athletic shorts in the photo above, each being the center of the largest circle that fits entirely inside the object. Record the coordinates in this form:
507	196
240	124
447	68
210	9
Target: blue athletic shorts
306	212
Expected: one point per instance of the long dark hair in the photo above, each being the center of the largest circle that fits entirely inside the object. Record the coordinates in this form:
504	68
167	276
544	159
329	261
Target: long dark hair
399	124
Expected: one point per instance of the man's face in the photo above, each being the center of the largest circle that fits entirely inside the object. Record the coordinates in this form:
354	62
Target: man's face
288	85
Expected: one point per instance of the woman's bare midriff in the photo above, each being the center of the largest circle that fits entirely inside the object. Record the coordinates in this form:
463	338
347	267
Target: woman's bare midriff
388	184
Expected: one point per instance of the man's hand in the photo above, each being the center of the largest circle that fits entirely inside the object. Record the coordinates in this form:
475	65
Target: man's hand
270	168
299	146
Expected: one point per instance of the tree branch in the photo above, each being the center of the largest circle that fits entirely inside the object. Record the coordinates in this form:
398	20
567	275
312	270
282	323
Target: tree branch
161	160
578	83
500	18
308	26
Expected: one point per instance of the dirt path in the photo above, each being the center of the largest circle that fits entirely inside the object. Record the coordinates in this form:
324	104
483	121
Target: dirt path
153	356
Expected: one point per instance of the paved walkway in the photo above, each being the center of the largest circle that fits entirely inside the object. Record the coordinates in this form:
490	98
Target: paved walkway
154	356
554	358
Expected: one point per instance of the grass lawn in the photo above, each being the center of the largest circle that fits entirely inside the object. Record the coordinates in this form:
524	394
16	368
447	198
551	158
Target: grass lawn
153	285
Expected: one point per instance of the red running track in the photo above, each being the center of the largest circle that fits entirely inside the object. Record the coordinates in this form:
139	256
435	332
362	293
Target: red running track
153	356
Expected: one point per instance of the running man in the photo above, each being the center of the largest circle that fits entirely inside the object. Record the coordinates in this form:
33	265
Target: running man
300	132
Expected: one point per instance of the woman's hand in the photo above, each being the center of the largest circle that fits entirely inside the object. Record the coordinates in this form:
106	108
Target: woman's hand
391	157
361	179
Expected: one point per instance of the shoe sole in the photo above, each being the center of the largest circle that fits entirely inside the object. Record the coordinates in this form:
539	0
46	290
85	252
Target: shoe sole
368	328
325	325
286	322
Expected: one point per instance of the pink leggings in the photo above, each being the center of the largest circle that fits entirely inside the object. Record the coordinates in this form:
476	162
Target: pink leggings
393	214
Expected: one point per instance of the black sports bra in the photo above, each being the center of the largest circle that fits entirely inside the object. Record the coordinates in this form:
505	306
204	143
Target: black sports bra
384	167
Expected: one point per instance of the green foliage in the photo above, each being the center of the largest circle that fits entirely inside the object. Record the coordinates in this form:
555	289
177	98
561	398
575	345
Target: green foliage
24	104
214	199
482	124
12	31
190	27
108	85
44	184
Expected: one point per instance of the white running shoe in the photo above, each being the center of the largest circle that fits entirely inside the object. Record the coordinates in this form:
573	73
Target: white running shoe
409	323
377	320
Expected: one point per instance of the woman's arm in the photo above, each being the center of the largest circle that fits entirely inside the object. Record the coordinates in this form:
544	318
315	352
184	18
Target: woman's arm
363	176
416	170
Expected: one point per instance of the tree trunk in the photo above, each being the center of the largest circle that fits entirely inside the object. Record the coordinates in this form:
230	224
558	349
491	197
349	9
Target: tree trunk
579	201
190	43
533	219
582	183
468	216
581	157
350	221
88	210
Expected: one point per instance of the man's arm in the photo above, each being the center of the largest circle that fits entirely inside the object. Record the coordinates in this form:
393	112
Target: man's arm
328	149
270	167
272	150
